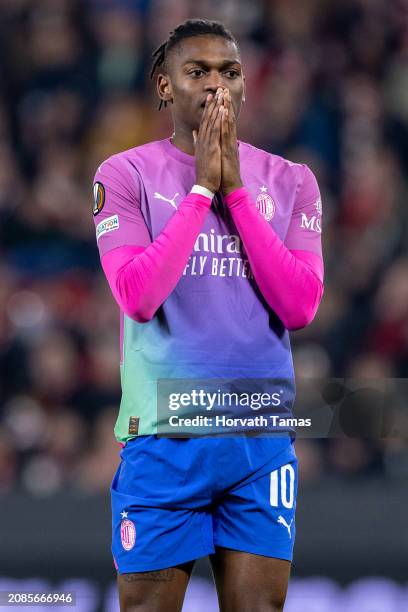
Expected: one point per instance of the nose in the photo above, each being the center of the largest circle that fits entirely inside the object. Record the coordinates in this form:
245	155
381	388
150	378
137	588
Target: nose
213	81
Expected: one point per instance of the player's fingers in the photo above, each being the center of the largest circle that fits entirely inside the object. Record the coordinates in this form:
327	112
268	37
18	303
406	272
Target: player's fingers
229	106
210	110
227	98
209	105
227	134
216	128
218	100
224	126
232	124
214	132
233	117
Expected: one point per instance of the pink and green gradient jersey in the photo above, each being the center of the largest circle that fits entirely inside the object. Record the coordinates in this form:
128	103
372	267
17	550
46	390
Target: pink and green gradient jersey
215	324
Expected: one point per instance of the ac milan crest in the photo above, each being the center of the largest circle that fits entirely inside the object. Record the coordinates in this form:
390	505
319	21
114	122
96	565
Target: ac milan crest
265	204
128	534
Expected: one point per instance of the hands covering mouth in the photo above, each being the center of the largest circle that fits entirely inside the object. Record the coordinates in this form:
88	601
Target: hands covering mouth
203	103
216	145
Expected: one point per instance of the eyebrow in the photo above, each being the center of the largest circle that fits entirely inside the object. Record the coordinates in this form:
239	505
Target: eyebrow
204	64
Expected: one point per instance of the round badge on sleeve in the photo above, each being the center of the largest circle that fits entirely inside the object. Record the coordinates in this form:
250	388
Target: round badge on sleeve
99	198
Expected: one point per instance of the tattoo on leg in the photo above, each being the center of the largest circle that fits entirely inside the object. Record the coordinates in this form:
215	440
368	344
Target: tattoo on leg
166	575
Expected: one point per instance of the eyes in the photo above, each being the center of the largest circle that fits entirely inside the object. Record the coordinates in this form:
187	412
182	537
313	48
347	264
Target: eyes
198	73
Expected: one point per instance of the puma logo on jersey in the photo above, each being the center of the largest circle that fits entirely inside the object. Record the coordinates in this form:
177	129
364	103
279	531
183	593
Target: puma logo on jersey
159	196
282	521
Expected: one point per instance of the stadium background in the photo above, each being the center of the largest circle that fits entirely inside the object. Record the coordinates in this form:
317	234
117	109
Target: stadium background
327	84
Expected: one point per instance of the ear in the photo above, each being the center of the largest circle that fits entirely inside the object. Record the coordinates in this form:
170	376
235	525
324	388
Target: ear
164	88
243	95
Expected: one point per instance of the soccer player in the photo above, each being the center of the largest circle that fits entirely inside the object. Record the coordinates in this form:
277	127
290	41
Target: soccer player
212	249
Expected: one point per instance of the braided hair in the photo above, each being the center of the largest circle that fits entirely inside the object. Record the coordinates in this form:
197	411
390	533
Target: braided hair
187	29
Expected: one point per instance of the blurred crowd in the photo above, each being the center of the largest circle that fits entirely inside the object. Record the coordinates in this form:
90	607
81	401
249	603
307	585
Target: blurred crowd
327	84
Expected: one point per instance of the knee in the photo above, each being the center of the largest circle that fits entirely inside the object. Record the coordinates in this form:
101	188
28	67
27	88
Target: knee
275	603
276	606
132	605
272	605
256	602
135	600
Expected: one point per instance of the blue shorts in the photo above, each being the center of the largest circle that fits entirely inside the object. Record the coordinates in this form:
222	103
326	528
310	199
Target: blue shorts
174	500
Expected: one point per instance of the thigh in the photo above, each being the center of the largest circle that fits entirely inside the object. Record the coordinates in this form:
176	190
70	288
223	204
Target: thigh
155	591
249	583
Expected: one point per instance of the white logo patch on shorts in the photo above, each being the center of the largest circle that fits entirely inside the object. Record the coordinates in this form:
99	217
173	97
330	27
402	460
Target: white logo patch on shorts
107	225
127	534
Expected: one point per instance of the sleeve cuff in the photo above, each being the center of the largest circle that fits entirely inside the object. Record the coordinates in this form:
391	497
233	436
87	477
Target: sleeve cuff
202	191
233	198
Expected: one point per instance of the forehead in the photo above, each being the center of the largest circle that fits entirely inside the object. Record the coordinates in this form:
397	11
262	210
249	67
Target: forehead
209	49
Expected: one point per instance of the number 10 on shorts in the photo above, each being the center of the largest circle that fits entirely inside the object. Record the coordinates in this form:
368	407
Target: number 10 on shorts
286	478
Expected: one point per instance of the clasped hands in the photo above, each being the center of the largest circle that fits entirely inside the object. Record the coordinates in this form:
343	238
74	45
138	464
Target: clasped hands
216	145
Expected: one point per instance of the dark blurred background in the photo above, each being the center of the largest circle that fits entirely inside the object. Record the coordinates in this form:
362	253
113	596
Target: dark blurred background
327	84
